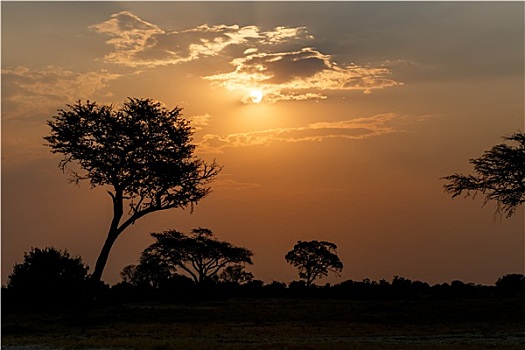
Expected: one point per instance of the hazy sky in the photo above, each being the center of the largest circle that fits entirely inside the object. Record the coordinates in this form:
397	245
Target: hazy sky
365	106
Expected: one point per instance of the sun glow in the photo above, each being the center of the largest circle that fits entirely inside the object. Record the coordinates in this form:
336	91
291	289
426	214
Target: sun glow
256	95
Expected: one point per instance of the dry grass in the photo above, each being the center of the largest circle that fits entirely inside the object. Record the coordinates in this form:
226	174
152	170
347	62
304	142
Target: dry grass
279	324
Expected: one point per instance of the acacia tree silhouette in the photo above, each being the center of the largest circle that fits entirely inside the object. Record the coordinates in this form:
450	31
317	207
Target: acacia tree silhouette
499	175
142	152
314	259
200	255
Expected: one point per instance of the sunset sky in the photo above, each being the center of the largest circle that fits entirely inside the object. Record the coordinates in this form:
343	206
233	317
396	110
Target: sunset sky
365	106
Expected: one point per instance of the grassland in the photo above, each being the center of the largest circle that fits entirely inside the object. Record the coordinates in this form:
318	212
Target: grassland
271	323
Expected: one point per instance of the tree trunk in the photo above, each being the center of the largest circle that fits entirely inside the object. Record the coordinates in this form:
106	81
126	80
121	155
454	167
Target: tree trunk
93	283
309	278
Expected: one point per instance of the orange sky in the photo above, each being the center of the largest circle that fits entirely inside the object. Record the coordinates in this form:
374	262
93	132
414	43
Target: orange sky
365	107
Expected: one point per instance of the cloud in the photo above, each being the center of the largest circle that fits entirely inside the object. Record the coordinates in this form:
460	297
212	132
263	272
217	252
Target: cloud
353	129
198	122
56	81
298	75
29	91
138	43
228	185
130	35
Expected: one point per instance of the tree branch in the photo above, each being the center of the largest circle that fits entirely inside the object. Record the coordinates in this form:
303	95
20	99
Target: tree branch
195	278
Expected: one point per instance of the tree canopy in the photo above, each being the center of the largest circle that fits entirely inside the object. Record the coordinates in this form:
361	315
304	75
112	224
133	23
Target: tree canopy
499	174
142	153
199	254
314	259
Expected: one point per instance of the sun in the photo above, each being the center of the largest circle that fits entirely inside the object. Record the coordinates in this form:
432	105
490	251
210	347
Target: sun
256	95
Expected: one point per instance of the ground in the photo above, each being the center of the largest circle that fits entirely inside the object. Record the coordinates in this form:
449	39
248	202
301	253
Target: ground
272	323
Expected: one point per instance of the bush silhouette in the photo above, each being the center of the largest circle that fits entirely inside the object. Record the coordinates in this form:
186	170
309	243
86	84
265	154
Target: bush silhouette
47	277
509	284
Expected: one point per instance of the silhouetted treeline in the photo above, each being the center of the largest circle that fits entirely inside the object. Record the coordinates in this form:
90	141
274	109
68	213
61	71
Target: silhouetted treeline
183	289
51	278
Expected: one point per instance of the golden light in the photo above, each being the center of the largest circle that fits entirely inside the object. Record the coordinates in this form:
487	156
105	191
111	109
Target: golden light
256	96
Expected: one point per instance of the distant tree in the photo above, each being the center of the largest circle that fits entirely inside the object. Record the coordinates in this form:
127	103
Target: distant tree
47	273
499	176
511	283
274	289
129	274
145	274
199	254
141	152
314	259
236	274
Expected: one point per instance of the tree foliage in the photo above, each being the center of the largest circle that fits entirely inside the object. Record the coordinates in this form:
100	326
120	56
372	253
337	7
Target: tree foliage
199	254
499	174
236	274
314	259
48	273
141	153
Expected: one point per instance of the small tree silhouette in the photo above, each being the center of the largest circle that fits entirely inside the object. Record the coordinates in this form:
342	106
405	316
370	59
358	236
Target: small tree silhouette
314	259
499	175
141	152
200	255
145	274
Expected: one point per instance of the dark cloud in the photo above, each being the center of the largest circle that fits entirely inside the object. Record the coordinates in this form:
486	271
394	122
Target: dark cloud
299	75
